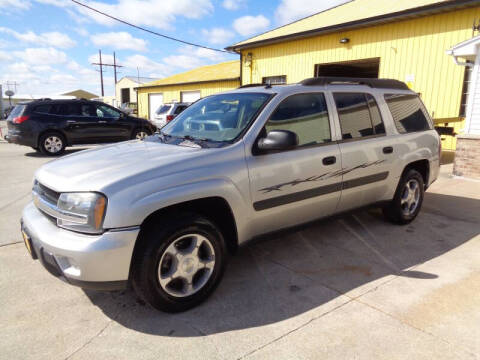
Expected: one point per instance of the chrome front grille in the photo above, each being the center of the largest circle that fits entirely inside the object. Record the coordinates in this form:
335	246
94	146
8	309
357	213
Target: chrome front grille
46	201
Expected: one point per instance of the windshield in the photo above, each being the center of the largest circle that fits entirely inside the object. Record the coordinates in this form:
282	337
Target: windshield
218	117
163	109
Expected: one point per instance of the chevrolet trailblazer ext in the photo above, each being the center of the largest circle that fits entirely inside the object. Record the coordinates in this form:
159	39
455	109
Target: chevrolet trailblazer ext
163	213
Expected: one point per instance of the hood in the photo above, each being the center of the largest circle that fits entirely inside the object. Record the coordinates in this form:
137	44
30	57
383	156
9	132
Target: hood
96	169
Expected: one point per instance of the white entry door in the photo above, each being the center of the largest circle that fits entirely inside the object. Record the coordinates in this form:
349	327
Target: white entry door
154	102
190	96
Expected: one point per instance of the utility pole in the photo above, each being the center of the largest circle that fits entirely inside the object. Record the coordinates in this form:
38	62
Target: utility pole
115	68
101	64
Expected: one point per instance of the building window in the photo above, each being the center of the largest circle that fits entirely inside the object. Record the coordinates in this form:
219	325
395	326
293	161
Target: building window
125	95
275	80
465	90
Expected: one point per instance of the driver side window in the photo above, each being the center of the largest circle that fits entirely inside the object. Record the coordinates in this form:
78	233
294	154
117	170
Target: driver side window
107	112
304	114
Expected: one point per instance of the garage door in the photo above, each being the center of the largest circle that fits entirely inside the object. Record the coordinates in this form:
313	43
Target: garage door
189	96
154	102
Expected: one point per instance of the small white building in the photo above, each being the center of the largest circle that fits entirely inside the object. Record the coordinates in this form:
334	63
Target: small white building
125	89
467	155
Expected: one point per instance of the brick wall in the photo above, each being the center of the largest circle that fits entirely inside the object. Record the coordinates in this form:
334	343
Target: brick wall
467	156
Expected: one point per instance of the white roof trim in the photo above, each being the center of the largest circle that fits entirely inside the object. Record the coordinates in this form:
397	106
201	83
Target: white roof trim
466	48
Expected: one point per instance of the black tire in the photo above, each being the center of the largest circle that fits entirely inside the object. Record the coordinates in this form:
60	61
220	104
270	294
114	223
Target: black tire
46	147
398	211
154	240
137	132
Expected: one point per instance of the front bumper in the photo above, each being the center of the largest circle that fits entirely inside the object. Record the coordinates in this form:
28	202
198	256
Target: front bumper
99	262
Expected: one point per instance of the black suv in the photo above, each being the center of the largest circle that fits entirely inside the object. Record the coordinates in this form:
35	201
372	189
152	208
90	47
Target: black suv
51	125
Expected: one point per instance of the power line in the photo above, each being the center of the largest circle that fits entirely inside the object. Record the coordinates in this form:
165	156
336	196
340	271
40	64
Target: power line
150	31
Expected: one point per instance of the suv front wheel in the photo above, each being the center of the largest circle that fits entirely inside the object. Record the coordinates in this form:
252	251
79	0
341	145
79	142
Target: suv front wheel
408	199
179	262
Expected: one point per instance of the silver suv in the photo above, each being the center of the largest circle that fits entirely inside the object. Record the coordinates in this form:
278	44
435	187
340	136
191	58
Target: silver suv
163	213
167	112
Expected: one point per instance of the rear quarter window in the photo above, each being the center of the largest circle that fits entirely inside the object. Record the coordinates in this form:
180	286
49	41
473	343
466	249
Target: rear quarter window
408	112
17	111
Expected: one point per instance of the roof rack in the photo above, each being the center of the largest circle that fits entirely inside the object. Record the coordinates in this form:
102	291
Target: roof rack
250	85
373	83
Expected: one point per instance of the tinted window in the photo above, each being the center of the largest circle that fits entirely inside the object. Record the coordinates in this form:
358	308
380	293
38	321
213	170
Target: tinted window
69	109
17	111
87	110
163	109
179	109
358	117
107	112
304	114
43	109
375	116
408	113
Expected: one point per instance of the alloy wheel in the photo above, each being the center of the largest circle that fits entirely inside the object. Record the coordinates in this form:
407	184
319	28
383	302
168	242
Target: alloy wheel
53	144
410	197
141	135
186	265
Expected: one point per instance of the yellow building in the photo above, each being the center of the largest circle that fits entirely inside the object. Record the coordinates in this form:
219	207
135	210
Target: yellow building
402	39
188	86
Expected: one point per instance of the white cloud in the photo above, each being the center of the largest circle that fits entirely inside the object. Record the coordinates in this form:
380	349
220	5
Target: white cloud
249	25
119	40
291	10
106	58
53	38
146	66
81	31
233	4
218	35
154	13
18	4
41	56
4	56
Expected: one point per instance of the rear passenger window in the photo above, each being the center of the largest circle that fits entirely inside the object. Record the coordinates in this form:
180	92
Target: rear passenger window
43	109
359	115
304	114
71	109
408	113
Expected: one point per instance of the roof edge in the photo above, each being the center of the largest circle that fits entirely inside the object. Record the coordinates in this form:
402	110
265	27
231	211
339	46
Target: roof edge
399	15
187	83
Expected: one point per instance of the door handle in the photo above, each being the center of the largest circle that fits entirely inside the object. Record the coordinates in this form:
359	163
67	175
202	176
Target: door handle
388	150
329	160
102	122
71	121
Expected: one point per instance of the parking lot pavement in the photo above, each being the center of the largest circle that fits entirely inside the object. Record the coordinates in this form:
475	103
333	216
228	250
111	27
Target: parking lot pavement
349	287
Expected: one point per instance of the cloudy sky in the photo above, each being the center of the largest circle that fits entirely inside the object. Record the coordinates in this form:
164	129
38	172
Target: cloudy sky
47	46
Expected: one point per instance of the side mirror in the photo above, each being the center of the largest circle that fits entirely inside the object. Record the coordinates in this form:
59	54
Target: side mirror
278	140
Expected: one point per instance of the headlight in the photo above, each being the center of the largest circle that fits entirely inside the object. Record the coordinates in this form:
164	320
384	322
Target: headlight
82	212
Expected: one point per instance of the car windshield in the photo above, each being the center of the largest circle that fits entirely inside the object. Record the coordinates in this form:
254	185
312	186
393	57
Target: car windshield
218	117
17	111
163	109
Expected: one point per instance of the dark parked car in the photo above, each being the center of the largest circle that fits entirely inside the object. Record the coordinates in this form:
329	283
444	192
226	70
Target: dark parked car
51	125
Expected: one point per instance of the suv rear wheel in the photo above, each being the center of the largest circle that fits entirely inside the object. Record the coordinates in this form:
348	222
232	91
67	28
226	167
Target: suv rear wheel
140	134
52	143
408	199
179	262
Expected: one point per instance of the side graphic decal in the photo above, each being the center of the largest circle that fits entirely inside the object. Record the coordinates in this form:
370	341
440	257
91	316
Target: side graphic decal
327	175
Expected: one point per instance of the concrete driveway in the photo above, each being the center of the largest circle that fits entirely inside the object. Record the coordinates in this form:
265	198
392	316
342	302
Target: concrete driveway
353	287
